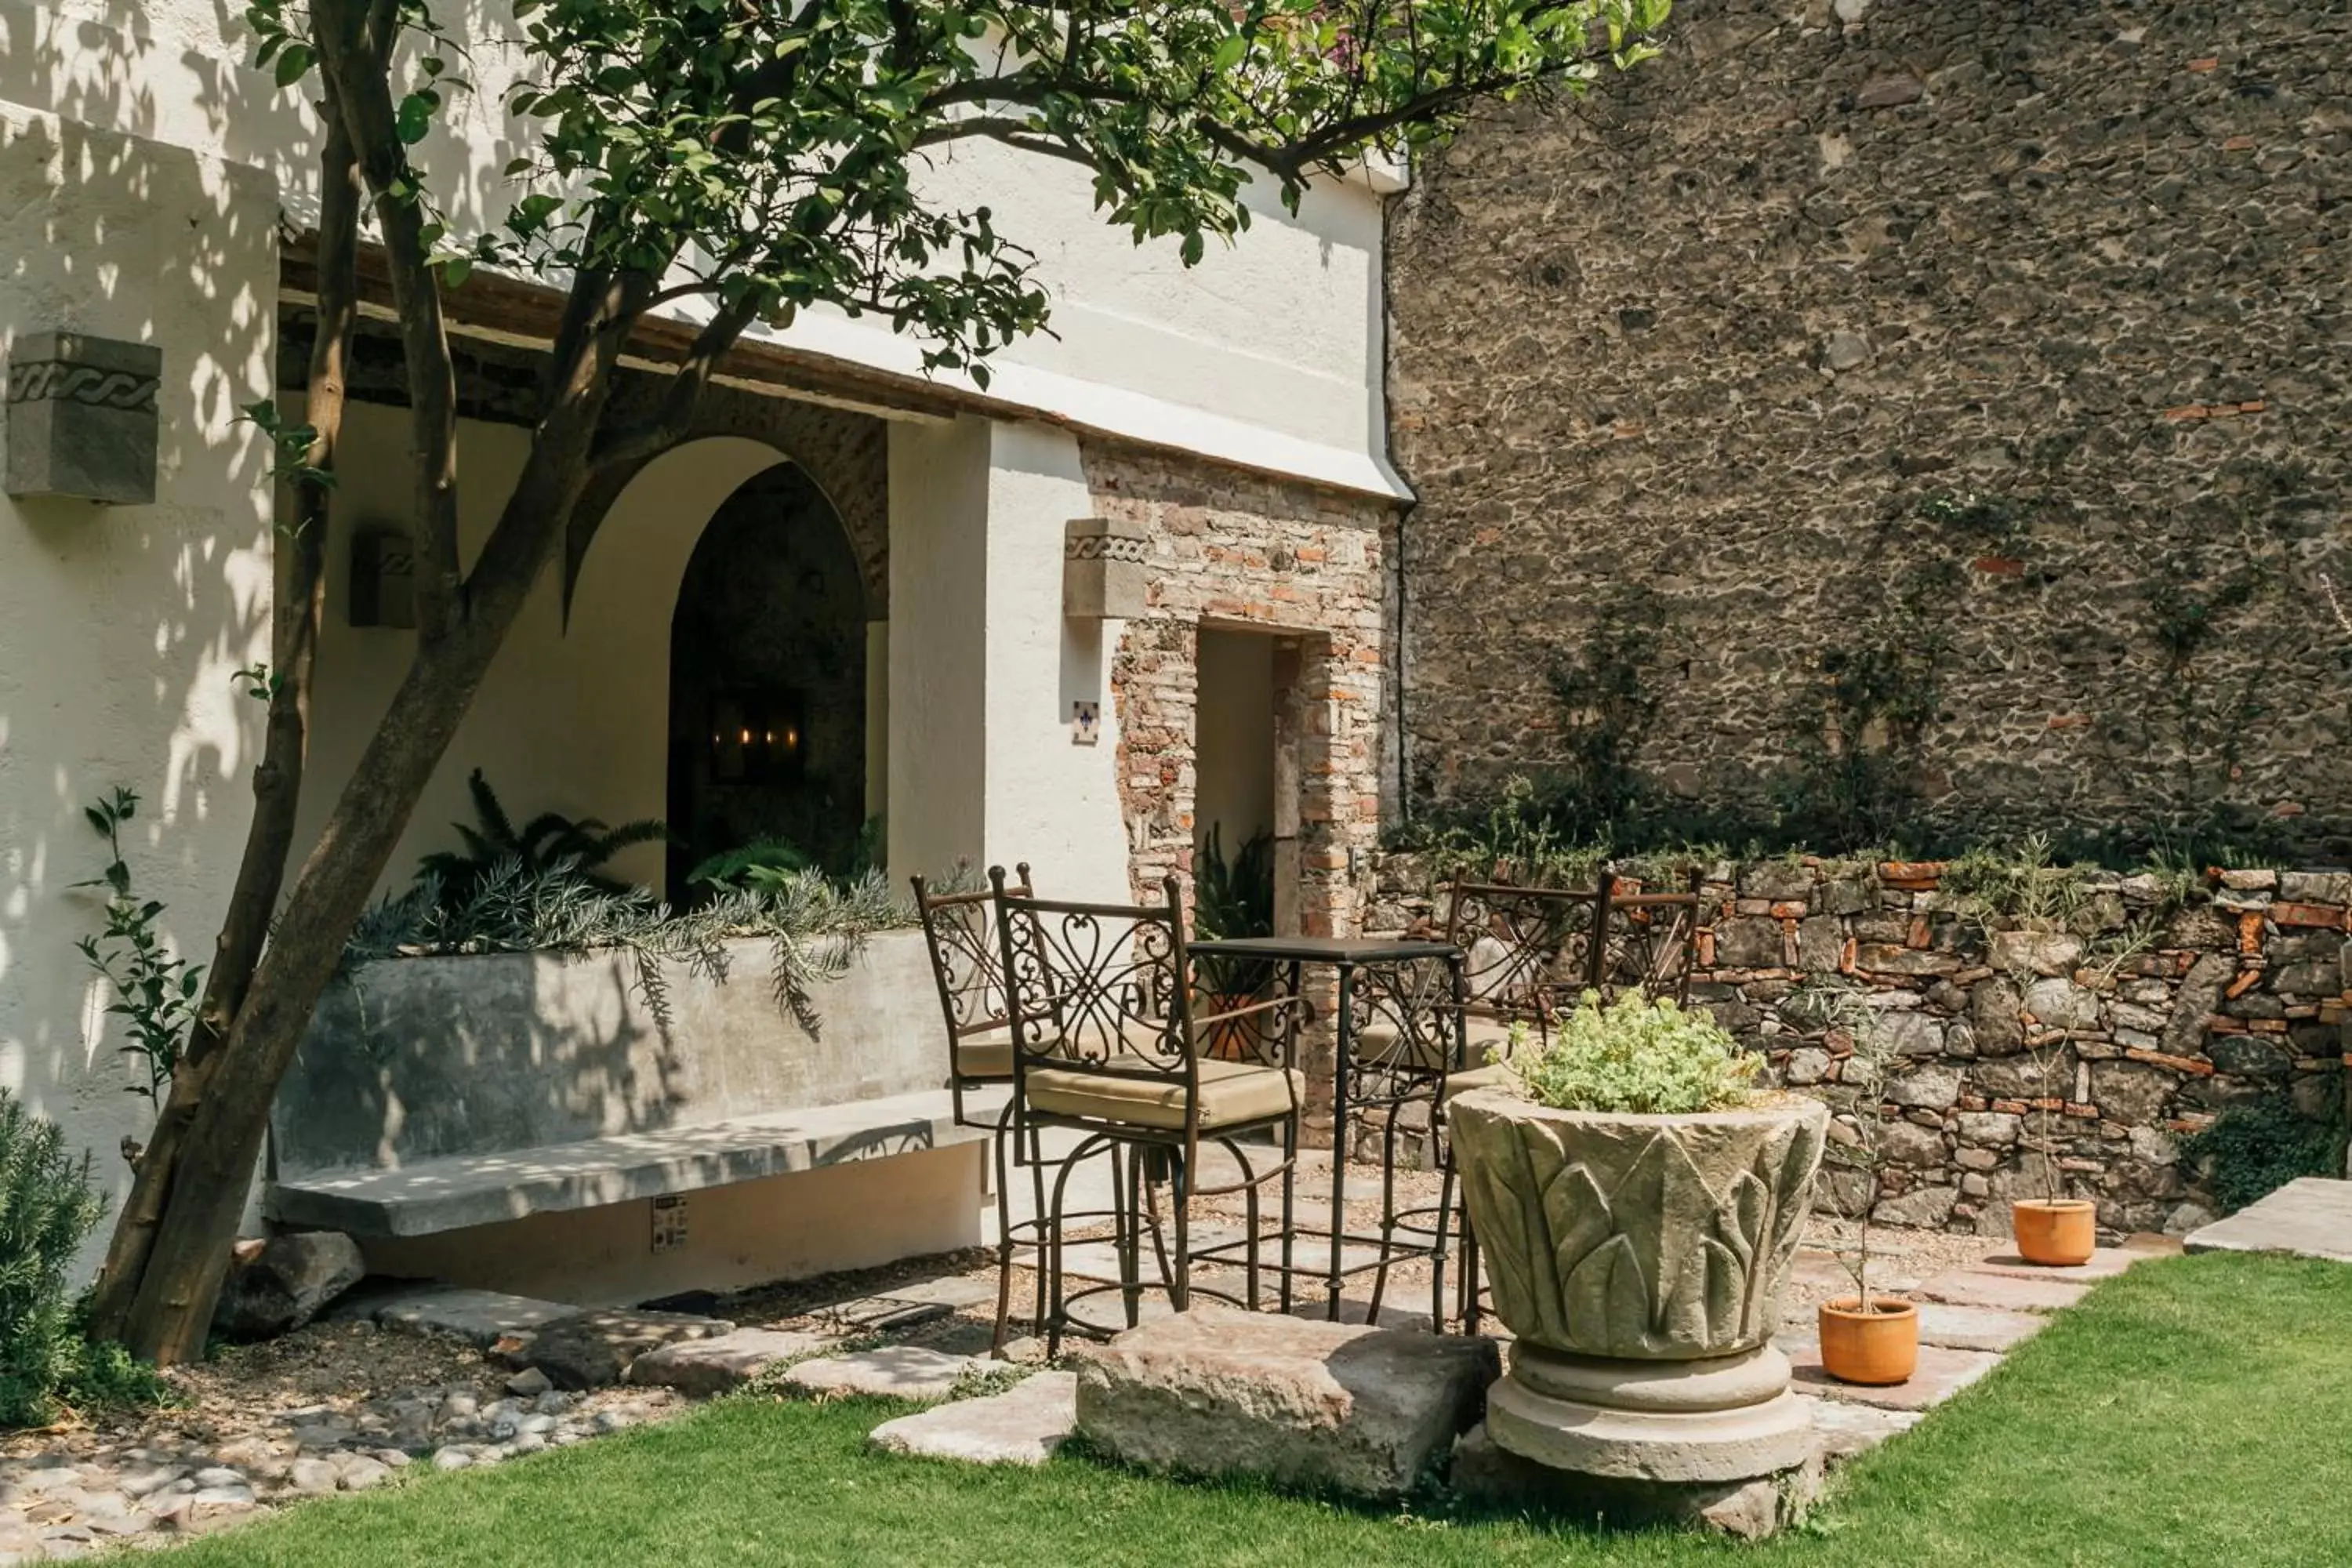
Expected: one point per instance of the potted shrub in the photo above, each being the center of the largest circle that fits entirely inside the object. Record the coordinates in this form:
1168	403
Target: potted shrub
1867	1337
1637	1202
2053	1229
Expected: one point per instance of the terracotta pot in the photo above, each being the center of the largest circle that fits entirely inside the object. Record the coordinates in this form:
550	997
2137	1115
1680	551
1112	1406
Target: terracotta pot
1878	1347
2058	1232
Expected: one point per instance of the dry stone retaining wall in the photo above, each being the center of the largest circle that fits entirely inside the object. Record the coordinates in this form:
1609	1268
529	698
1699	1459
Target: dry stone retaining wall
2133	1022
1717	331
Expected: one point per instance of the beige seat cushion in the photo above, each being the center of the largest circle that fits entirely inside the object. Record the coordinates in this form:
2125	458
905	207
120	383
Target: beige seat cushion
1232	1093
989	1053
985	1055
1496	1075
1377	1044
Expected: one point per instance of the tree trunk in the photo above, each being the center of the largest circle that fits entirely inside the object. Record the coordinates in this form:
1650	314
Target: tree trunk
172	1311
300	603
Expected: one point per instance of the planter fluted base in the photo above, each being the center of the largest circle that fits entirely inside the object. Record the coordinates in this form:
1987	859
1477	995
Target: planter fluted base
1727	1419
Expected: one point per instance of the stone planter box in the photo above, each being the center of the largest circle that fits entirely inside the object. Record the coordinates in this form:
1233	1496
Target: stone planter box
1640	1262
421	1058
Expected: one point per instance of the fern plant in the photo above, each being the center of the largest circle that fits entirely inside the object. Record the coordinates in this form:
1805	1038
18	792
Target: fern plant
546	841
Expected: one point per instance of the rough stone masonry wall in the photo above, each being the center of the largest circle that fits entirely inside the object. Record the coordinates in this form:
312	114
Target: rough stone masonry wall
1715	333
2133	1022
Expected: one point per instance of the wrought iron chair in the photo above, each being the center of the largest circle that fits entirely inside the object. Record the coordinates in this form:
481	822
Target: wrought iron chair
1107	1044
968	963
1533	952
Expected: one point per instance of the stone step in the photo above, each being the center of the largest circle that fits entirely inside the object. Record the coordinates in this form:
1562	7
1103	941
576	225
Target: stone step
2000	1292
2105	1263
1848	1428
1323	1405
893	1372
1975	1328
1023	1425
1942	1372
711	1366
2310	1216
596	1349
481	1318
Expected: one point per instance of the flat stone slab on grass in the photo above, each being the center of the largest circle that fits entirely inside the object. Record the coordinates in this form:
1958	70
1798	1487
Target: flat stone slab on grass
726	1361
1976	1328
1846	1428
1941	1373
1023	1425
894	1372
2311	1216
2000	1292
1218	1392
594	1349
481	1318
2105	1263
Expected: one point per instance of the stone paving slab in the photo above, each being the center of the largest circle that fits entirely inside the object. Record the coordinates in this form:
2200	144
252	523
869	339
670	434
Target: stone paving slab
1847	1428
1976	1328
1942	1373
1023	1425
2000	1292
895	1372
2310	1216
481	1317
712	1366
2105	1263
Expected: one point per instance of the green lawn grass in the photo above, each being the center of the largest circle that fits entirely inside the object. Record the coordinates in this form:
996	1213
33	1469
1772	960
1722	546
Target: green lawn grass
2197	1412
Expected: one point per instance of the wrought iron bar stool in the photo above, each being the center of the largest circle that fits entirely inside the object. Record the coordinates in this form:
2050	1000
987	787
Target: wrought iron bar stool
1108	1043
968	963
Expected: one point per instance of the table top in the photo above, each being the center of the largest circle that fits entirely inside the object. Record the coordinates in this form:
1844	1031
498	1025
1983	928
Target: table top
1347	949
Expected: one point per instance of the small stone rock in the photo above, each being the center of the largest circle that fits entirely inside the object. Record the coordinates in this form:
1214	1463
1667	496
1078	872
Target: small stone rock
529	1383
312	1476
219	1475
452	1460
361	1472
287	1282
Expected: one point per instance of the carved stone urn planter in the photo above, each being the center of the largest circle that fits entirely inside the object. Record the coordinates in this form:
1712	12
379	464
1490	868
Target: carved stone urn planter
1640	1262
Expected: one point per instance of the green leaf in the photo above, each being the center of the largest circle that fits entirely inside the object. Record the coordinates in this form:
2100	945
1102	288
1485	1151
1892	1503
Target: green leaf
293	64
1230	53
414	118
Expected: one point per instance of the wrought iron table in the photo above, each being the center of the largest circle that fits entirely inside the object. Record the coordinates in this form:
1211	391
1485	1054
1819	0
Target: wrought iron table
1388	977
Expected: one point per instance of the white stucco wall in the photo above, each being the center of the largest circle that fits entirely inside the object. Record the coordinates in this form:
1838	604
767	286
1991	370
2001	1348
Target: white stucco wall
1267	354
121	627
572	720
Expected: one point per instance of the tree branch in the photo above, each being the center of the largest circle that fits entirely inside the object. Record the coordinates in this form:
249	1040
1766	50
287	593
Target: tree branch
676	418
356	65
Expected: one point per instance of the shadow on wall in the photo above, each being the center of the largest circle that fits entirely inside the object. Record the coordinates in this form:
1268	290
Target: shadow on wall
121	628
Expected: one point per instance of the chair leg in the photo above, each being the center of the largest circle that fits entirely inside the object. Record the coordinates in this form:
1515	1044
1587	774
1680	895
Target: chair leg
1004	1236
1128	1227
1388	1213
1437	1313
1037	1189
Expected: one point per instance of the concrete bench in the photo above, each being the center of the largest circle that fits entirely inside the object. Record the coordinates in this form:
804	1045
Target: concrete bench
524	1123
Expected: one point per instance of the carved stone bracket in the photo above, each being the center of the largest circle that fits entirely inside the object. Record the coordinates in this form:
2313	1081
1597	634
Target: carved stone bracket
81	417
1105	574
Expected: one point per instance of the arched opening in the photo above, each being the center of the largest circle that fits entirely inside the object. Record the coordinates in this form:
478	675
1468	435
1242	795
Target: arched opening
767	683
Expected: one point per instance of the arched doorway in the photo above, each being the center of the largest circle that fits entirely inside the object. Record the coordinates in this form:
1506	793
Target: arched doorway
767	683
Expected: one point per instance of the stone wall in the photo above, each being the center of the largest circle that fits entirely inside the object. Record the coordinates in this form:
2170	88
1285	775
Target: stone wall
2128	1015
1954	384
